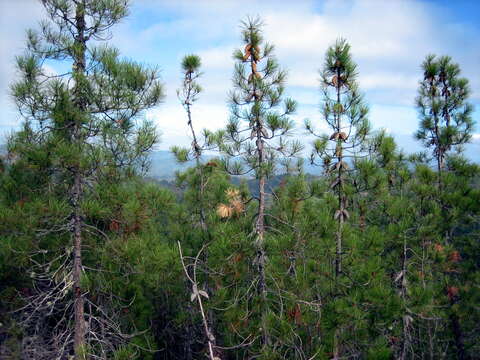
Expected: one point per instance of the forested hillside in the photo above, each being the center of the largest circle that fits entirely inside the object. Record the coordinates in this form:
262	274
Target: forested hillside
246	255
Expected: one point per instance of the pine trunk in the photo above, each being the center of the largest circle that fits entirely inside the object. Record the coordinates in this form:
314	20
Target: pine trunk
79	337
403	293
339	235
260	232
79	66
260	223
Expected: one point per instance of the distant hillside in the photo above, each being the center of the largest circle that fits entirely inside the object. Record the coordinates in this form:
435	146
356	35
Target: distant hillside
163	165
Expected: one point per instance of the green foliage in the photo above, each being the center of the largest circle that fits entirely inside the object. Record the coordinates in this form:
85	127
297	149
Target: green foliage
258	112
408	287
445	115
342	108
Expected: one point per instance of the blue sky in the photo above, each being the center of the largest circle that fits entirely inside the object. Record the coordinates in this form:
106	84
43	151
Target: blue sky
389	39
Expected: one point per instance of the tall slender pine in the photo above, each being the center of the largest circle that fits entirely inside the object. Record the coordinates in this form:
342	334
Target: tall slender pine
445	114
445	123
89	111
344	111
256	131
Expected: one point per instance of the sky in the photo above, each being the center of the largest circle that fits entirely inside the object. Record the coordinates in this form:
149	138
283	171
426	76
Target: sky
389	40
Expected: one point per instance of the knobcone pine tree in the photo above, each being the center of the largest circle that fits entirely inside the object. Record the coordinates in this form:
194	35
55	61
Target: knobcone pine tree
344	111
256	132
89	113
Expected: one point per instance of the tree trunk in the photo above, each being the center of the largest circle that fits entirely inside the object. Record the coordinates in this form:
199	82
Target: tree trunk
405	319
79	66
336	344
338	255
260	223
79	337
440	154
341	202
260	232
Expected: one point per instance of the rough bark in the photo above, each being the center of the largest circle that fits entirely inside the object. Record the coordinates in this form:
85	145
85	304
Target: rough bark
260	223
79	337
79	66
341	202
403	293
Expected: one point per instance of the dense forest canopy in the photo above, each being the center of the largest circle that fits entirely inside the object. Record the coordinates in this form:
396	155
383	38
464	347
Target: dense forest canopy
246	255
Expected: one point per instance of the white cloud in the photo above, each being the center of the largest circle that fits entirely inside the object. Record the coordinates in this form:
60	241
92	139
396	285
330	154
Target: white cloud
397	119
171	120
15	18
389	41
476	137
305	75
388	80
218	58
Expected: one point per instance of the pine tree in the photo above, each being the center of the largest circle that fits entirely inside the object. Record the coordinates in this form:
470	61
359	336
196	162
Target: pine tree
188	95
95	103
446	123
445	114
344	111
386	207
256	131
197	180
